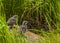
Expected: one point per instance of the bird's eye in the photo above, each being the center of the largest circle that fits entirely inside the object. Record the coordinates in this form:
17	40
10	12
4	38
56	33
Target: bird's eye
13	19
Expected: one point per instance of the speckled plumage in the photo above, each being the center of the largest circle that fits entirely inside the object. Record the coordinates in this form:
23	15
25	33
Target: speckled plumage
12	21
23	27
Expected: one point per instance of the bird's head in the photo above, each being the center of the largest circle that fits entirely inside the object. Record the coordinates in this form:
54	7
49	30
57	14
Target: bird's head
25	23
15	16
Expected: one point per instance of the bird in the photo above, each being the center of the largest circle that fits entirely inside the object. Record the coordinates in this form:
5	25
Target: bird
12	21
23	27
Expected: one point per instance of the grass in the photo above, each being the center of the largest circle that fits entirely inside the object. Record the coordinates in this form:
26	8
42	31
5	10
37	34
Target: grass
52	37
39	13
7	37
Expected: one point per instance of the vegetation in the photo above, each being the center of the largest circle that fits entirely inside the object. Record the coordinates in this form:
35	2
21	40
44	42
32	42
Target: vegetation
41	14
